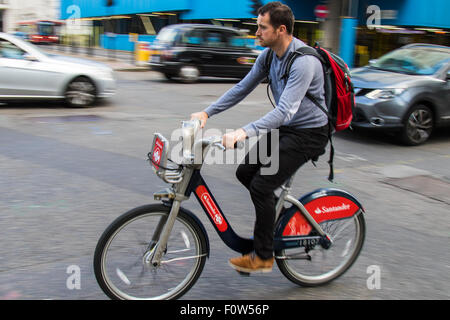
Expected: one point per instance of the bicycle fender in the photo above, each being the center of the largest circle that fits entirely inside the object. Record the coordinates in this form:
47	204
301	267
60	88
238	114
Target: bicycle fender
196	220
323	205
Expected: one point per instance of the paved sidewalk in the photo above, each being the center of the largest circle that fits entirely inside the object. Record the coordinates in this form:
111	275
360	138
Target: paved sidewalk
117	60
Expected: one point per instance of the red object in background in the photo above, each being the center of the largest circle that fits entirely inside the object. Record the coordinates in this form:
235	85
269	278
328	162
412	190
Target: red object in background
43	39
321	11
41	31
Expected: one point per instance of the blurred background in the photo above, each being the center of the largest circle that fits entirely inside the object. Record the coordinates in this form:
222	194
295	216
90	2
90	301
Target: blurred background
78	111
358	30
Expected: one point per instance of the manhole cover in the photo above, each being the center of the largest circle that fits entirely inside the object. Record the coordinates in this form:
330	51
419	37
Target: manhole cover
73	118
427	186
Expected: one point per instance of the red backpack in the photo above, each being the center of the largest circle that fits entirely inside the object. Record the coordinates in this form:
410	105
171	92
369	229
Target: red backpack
339	92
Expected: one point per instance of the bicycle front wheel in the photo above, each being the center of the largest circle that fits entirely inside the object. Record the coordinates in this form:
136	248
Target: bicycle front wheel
122	256
316	265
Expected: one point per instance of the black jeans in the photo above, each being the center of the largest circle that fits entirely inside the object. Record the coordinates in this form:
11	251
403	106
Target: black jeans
295	148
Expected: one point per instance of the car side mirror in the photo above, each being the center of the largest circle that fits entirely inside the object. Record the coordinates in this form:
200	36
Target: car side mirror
372	62
448	76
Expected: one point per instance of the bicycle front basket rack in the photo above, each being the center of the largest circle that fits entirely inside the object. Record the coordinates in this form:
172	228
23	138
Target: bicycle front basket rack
158	157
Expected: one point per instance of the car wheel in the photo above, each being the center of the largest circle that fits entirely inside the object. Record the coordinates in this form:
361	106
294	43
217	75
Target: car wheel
168	76
418	125
80	92
189	73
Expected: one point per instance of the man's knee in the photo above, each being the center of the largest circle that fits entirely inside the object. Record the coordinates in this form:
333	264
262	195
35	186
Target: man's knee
244	175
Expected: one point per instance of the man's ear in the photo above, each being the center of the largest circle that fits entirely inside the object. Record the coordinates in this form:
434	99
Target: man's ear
282	28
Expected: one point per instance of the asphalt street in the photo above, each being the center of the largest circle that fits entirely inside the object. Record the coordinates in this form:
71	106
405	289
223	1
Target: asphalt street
65	174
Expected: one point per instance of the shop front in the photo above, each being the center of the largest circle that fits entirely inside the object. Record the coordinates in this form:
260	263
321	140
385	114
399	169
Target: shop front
113	21
386	25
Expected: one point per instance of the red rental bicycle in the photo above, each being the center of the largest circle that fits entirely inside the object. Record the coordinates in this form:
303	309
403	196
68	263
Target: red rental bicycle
158	251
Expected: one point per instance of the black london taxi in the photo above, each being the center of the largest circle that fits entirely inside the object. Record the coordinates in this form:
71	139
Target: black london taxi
188	51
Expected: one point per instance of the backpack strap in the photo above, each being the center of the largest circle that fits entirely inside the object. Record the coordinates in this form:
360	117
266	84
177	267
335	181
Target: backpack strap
268	61
330	160
303	51
267	64
306	51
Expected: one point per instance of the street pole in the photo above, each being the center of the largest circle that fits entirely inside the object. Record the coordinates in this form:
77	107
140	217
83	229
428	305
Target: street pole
349	23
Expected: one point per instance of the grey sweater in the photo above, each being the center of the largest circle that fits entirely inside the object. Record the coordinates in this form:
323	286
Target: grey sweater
293	109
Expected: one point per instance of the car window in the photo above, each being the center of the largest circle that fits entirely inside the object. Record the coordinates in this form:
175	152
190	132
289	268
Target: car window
166	35
193	38
237	41
10	51
215	39
416	61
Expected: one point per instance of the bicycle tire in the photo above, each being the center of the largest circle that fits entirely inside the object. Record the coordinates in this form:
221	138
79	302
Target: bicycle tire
115	282
295	273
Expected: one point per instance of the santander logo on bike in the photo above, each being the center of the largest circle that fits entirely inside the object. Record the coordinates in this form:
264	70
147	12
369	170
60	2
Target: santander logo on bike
332	209
211	208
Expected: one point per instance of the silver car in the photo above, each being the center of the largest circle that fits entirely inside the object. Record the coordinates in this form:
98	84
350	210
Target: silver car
26	72
406	90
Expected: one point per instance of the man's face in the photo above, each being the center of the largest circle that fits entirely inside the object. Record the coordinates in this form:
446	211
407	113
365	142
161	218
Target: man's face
266	33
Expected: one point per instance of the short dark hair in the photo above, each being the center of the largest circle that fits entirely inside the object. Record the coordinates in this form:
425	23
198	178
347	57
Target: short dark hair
280	14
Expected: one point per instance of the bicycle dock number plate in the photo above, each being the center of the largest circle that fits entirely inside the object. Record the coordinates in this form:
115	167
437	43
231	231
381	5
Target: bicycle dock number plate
158	149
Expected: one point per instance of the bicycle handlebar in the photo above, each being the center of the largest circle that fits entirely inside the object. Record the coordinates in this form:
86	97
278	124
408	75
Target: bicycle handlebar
195	125
216	141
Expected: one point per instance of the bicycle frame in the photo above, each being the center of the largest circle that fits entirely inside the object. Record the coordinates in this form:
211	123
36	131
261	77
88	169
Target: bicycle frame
293	226
325	227
206	199
197	185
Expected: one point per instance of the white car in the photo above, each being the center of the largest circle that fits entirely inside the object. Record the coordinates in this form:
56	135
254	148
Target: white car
26	72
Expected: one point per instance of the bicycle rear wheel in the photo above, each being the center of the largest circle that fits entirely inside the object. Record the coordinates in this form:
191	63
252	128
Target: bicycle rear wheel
316	265
122	256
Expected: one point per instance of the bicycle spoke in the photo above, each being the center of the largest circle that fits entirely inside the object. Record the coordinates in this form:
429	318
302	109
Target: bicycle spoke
182	258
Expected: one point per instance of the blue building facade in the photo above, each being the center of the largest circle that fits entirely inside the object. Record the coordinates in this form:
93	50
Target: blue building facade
397	23
412	13
185	9
352	24
115	20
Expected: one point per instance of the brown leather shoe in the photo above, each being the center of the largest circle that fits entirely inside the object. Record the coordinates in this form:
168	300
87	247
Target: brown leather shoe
251	263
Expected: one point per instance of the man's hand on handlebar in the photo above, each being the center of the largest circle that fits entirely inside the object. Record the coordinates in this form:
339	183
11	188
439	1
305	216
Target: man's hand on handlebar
229	139
202	116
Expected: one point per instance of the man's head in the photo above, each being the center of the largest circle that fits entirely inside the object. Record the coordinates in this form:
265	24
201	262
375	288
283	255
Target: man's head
275	20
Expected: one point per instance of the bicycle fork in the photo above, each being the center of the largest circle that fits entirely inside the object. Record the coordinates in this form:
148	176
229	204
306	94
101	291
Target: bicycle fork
166	225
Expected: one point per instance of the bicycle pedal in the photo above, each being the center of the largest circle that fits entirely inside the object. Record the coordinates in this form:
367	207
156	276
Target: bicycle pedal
244	274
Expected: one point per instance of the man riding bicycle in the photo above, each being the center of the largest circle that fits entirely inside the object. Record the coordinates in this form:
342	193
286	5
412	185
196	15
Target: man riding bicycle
303	127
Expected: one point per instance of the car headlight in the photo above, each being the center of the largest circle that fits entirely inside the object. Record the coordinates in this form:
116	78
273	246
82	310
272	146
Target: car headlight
384	93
